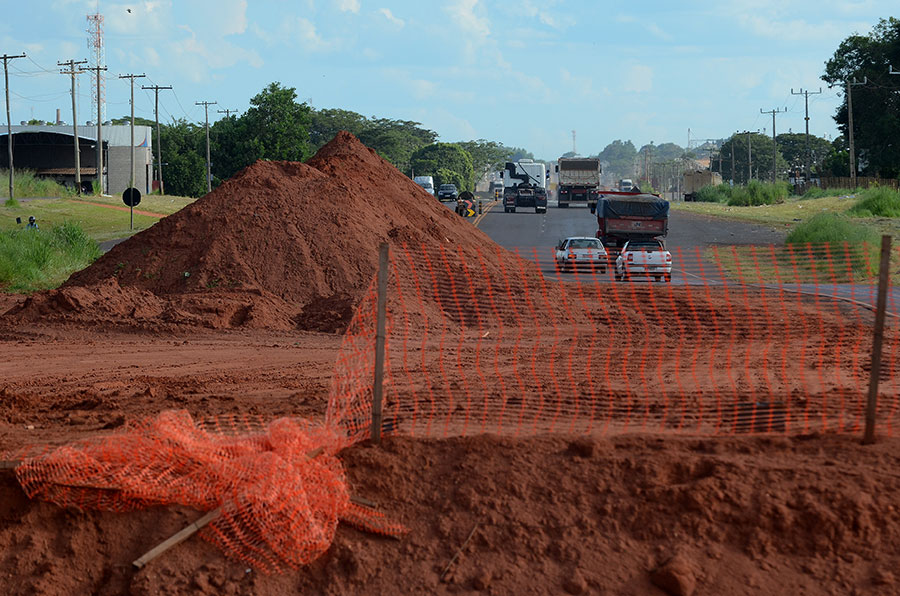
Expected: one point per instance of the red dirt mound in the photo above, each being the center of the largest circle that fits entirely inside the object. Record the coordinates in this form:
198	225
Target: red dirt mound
281	245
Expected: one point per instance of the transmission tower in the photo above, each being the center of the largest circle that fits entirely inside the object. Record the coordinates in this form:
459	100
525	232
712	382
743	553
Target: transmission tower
95	45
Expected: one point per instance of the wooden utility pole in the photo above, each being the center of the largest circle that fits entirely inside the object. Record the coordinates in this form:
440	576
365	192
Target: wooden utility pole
96	70
774	142
732	160
380	324
6	58
884	280
156	89
806	95
227	112
71	64
132	77
206	105
850	84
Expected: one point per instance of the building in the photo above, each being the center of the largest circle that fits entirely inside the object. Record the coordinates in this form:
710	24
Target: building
49	151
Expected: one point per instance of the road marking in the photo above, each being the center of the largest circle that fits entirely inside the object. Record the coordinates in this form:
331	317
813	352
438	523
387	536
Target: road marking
484	211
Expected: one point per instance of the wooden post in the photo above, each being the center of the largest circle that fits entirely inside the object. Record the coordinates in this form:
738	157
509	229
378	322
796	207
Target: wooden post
378	389
883	281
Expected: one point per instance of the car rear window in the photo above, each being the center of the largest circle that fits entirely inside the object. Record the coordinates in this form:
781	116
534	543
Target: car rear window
644	245
585	243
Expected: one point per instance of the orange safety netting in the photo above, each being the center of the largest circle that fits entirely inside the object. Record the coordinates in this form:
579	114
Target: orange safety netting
742	339
280	488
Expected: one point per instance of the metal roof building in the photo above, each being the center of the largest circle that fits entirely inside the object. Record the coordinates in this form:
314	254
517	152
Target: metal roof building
48	150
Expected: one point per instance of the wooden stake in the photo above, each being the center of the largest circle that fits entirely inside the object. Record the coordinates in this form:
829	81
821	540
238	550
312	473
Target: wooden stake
177	538
458	552
878	338
378	389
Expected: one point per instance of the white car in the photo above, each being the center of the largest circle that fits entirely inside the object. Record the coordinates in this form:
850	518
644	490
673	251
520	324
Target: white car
581	251
648	258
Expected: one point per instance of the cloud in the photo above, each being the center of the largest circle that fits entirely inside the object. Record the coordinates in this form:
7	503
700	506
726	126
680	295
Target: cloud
463	13
639	78
348	6
390	17
296	31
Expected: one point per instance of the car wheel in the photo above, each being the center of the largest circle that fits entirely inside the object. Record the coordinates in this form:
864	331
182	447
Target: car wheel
668	278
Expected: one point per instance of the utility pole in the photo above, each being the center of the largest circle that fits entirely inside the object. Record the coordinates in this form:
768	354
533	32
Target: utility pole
806	95
97	70
206	105
774	142
132	77
749	158
71	64
850	84
156	89
227	112
732	160
6	58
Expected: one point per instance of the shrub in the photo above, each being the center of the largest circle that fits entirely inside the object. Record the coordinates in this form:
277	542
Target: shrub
814	192
839	234
711	194
760	193
877	202
39	259
26	184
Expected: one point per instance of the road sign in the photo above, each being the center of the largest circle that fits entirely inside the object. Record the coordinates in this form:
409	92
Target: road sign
131	197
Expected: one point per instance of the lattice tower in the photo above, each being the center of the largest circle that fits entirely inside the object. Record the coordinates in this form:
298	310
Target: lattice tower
95	44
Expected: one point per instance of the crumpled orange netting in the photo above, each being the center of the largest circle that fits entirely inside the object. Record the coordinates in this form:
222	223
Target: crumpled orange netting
279	487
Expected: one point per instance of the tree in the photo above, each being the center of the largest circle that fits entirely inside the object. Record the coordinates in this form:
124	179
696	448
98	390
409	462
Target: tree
518	154
325	124
445	161
185	156
793	148
760	158
138	121
619	157
837	162
396	140
876	105
487	156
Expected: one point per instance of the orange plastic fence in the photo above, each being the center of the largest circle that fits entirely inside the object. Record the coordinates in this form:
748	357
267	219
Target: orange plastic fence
742	339
280	487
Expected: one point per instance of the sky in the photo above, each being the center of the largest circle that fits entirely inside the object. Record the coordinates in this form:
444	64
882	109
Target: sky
524	73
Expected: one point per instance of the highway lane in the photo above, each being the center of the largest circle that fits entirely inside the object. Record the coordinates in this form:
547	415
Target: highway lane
534	236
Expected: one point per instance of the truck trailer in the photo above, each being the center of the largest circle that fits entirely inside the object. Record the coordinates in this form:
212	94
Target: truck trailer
697	179
624	216
579	181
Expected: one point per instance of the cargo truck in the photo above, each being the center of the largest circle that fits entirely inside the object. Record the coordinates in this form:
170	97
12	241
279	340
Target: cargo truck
624	216
524	185
579	181
697	179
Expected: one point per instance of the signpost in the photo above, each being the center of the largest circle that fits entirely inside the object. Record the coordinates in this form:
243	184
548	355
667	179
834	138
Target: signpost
132	198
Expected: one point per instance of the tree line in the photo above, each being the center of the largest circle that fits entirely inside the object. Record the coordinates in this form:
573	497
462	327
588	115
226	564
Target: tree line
277	126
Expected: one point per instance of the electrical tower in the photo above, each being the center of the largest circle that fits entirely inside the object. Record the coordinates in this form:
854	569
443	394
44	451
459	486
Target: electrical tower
95	45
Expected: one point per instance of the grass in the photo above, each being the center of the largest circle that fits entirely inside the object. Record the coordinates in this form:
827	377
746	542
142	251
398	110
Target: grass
163	204
815	192
32	260
755	193
877	202
786	214
27	185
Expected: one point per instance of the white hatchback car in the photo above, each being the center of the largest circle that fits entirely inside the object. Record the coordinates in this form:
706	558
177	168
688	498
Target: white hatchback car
581	251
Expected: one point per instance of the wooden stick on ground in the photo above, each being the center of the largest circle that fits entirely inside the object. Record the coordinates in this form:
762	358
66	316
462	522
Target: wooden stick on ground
178	538
459	552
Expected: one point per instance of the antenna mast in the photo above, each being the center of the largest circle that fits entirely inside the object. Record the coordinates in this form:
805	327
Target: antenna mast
95	45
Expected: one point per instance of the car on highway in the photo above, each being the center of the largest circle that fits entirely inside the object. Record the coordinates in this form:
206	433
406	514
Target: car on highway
581	251
447	192
645	258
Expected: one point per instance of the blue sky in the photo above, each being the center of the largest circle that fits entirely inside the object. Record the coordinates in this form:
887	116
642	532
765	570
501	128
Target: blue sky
525	73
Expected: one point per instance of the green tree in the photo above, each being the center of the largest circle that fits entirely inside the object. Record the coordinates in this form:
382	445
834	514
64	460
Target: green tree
760	157
487	156
396	140
517	153
184	152
876	105
138	121
837	162
440	159
618	157
325	124
793	148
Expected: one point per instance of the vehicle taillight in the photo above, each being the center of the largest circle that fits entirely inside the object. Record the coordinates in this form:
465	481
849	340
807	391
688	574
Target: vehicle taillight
668	257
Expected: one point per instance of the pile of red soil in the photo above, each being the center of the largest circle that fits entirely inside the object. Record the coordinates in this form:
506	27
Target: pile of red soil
281	245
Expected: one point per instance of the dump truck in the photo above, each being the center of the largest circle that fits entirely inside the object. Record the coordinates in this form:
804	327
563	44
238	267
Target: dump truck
524	185
695	180
624	216
579	181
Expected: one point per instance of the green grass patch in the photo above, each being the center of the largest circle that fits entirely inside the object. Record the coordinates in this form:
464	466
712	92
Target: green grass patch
786	214
27	185
153	203
814	192
100	223
32	260
877	202
755	193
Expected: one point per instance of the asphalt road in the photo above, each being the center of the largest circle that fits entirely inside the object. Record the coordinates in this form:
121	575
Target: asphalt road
690	235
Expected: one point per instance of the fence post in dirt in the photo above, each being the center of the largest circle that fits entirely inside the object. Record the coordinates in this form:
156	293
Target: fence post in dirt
883	281
378	389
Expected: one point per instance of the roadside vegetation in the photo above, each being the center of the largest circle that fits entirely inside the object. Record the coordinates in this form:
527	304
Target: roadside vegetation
755	193
27	185
32	260
877	202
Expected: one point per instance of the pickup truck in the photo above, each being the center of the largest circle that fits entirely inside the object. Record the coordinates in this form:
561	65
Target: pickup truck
645	257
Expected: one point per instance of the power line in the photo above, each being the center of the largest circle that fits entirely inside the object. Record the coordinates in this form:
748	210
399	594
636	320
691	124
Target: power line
6	58
73	71
774	142
206	105
156	89
806	95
